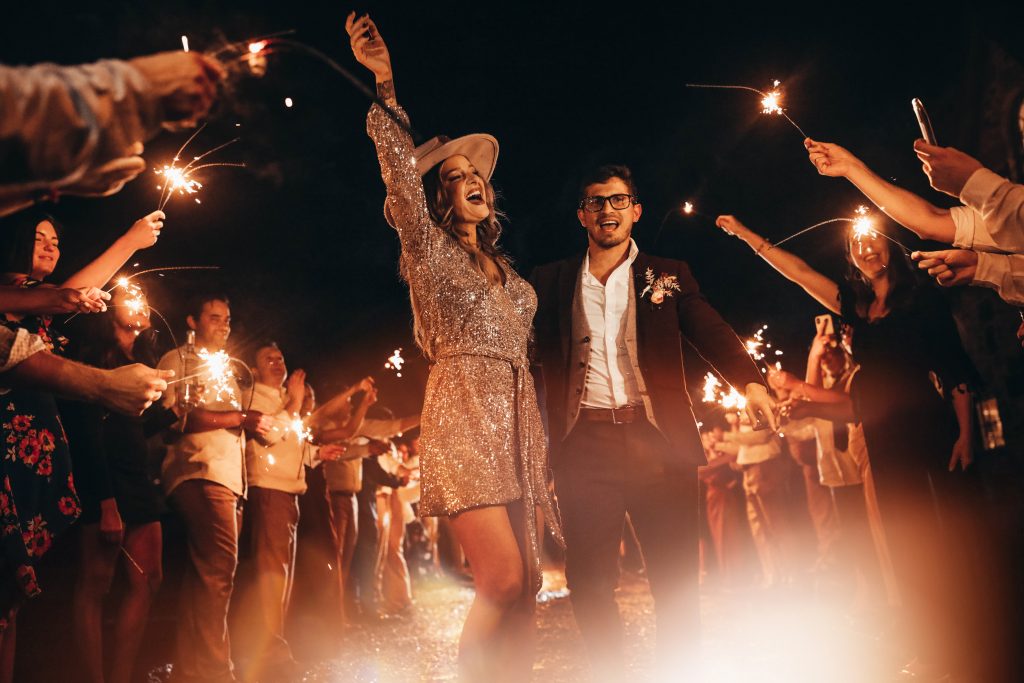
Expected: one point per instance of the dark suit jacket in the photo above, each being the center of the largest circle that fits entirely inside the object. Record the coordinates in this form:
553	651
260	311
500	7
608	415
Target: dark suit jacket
659	334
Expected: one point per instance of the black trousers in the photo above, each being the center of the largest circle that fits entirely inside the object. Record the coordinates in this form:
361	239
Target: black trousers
602	472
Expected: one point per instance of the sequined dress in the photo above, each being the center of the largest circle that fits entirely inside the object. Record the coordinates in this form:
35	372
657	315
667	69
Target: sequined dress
482	438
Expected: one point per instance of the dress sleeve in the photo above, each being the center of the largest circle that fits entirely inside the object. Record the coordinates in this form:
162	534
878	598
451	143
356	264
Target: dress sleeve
406	203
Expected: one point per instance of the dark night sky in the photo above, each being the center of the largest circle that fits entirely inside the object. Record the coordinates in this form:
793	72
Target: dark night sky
304	250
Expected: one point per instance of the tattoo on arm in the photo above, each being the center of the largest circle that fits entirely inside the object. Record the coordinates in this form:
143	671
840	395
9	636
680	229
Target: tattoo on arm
386	92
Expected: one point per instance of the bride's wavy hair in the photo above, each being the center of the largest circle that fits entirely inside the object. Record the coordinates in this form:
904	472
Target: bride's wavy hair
487	231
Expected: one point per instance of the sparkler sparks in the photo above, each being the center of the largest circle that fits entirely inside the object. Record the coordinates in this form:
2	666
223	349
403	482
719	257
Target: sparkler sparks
714	392
688	208
184	43
771	101
180	180
395	362
299	428
218	377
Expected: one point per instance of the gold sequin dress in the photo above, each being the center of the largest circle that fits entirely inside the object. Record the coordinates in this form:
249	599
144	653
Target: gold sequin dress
481	434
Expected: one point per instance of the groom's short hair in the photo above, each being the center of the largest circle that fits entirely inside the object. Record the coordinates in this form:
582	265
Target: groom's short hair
604	173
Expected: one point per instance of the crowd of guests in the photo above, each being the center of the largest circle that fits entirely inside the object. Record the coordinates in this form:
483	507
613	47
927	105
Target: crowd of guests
883	394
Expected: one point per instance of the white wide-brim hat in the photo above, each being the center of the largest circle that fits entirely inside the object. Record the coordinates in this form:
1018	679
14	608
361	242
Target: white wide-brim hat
480	148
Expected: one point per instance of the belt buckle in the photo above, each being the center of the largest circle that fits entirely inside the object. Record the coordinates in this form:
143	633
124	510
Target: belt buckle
615	419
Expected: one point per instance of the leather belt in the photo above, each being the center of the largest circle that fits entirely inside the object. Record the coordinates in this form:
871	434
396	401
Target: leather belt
620	416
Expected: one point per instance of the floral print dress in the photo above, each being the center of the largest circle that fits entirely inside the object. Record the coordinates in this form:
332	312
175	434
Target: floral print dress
37	491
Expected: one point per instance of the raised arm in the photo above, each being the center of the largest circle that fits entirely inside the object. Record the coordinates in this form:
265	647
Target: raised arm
792	267
914	213
143	234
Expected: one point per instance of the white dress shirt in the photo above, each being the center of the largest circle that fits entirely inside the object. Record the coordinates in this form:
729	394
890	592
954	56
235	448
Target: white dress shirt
610	381
992	218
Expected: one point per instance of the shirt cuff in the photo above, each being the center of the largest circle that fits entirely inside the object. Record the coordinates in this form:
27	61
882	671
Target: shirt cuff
17	347
979	187
963	220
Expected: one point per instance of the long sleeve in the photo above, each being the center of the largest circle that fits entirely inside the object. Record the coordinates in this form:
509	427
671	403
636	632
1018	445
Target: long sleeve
16	346
57	122
1003	273
713	338
997	205
406	203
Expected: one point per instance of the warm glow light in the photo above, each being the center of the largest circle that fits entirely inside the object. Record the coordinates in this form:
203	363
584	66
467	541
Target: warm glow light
863	225
184	43
770	103
288	102
256	47
218	376
687	207
395	362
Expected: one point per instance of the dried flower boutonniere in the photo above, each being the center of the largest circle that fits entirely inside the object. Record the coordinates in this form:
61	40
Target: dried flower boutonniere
659	287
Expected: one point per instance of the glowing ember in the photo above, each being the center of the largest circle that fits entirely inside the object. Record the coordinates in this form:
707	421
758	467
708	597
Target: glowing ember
184	43
218	377
714	392
863	225
300	430
687	207
395	362
257	46
288	102
770	103
179	180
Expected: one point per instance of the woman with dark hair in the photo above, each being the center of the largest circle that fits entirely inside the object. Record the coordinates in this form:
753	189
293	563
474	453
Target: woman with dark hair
913	399
484	461
37	493
121	504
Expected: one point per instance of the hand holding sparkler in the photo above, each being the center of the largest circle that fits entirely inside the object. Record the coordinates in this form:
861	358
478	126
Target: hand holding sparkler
81	300
831	159
256	423
130	389
184	82
760	408
146	231
368	47
949	267
948	169
330	452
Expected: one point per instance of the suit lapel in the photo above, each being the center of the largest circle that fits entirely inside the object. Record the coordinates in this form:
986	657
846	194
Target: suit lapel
567	277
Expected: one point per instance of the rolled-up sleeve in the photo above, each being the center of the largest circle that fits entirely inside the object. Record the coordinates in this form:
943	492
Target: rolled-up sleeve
1003	273
993	219
57	122
16	346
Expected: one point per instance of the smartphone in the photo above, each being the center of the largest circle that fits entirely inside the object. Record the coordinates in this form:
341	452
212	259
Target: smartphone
927	132
824	325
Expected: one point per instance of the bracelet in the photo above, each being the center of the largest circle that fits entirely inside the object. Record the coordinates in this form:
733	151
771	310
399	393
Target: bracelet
764	243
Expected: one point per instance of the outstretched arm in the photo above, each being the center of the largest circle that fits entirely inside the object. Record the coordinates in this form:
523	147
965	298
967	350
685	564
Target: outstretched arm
914	213
792	267
143	234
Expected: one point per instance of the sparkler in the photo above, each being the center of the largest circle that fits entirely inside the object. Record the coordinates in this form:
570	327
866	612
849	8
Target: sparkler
180	180
862	227
771	101
254	52
216	371
714	392
395	362
759	348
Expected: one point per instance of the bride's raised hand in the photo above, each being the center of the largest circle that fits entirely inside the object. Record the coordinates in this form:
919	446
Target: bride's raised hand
368	47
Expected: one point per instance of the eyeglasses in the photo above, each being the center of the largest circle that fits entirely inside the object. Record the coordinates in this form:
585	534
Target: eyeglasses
618	201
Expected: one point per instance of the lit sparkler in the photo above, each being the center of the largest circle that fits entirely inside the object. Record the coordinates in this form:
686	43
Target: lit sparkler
862	227
714	392
218	377
771	101
395	362
299	428
180	179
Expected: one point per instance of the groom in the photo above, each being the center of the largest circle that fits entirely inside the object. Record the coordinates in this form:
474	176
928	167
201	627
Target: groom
609	328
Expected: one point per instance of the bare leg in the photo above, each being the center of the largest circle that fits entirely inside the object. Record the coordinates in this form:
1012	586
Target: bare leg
496	618
96	572
144	543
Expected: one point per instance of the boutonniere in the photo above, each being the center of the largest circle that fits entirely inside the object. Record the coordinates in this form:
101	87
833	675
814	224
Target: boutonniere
659	287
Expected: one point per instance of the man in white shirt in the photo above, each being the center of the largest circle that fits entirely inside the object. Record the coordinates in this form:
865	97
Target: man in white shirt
203	475
275	468
609	329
